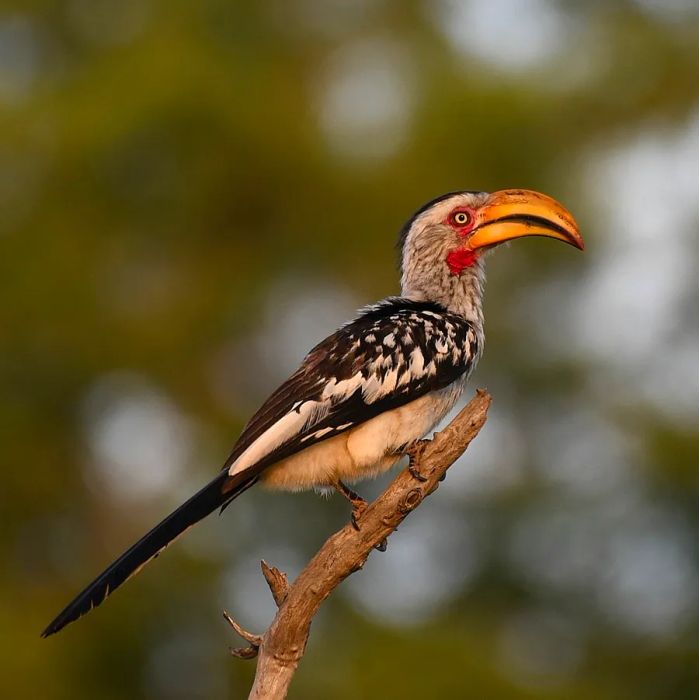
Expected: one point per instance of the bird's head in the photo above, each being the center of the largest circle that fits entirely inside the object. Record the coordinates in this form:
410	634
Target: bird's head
457	229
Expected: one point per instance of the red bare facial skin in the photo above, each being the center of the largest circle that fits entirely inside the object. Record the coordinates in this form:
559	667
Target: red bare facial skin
461	258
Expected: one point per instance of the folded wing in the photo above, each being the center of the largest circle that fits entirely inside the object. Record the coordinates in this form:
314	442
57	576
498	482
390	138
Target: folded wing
393	353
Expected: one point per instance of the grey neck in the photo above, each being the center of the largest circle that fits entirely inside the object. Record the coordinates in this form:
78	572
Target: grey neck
461	294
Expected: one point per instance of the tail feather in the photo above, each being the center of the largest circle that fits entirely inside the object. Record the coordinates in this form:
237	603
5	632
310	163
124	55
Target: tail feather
217	493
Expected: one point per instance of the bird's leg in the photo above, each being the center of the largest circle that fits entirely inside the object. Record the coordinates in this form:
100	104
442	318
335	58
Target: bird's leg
414	453
358	503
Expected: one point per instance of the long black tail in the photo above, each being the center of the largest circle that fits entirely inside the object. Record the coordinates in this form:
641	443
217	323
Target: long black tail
215	494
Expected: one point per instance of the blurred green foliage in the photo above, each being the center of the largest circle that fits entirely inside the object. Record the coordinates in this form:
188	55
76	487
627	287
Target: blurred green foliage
172	173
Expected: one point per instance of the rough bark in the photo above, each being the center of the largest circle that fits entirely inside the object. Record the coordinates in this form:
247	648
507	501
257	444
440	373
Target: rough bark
280	649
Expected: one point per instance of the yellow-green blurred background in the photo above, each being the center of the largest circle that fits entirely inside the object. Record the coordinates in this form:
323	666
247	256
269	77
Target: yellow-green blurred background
193	193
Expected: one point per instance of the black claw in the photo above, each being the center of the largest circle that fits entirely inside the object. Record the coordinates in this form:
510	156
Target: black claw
414	453
381	546
415	473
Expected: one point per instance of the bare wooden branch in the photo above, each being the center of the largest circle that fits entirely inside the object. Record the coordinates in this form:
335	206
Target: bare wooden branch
277	581
281	647
254	639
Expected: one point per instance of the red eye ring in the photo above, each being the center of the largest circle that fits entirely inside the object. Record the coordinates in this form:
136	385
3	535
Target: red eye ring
461	218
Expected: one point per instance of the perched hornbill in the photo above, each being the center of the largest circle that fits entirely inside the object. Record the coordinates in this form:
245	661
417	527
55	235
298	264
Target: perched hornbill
369	392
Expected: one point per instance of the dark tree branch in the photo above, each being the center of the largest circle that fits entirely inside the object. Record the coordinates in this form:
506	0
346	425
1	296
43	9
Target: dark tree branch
281	647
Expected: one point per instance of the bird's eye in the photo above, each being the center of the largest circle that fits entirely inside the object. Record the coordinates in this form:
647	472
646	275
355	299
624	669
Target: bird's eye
461	218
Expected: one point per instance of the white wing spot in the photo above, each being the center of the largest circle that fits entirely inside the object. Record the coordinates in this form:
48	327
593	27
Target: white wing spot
318	434
440	346
339	390
417	362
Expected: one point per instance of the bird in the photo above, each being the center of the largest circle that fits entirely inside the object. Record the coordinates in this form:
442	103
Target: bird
369	393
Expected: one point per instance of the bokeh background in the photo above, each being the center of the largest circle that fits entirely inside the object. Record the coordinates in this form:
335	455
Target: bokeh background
193	193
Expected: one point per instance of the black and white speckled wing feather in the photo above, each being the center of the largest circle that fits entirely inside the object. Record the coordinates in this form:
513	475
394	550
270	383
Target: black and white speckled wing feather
392	354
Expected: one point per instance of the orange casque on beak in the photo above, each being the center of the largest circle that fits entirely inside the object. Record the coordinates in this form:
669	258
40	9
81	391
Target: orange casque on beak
512	214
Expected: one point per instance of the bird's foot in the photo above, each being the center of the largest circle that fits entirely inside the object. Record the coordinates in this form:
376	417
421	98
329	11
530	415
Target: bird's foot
359	505
357	512
414	453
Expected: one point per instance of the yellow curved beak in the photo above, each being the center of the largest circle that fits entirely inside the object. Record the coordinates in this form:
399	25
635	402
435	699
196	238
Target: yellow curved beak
512	214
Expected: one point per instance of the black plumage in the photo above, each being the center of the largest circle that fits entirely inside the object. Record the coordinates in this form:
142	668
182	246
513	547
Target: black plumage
357	350
394	352
216	493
